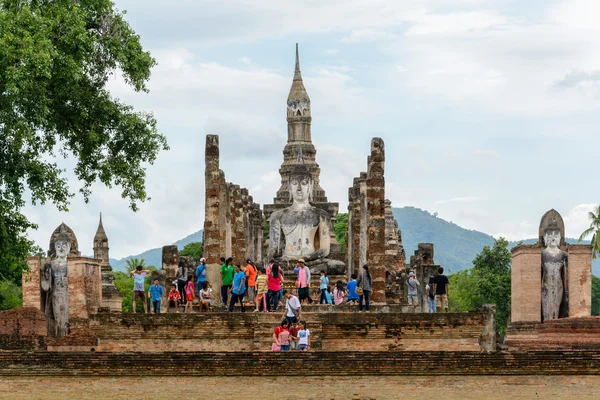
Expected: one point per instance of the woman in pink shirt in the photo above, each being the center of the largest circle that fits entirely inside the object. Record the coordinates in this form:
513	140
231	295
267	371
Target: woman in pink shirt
338	293
274	279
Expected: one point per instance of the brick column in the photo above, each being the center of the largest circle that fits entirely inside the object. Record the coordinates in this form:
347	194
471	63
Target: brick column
526	283
214	229
32	295
580	280
376	223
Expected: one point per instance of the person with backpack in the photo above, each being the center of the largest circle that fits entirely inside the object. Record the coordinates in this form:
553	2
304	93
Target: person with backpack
238	289
201	275
430	296
413	289
292	307
364	283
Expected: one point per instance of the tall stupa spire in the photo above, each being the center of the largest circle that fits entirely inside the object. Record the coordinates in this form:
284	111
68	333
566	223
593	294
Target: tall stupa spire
297	74
101	242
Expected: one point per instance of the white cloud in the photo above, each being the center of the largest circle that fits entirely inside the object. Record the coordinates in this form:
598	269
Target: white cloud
576	221
245	60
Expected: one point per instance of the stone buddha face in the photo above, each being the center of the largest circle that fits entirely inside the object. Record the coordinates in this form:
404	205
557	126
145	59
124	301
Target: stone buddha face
62	248
301	188
552	238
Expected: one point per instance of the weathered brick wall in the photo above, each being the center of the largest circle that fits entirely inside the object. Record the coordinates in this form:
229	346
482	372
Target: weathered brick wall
564	333
32	295
580	280
331	331
318	364
526	283
23	328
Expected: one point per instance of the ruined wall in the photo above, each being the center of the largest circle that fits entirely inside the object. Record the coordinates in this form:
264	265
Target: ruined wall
23	328
580	280
558	334
232	221
330	331
373	236
526	283
423	265
32	292
394	364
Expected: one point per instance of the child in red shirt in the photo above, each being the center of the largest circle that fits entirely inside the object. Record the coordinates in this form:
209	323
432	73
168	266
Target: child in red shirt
174	298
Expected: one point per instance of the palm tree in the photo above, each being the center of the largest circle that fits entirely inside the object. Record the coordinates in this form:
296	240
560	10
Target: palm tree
133	263
594	230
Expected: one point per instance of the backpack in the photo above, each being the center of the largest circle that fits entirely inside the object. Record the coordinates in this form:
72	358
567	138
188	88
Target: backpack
431	294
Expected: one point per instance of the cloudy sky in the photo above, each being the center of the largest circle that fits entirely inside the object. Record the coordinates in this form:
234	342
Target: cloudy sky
488	108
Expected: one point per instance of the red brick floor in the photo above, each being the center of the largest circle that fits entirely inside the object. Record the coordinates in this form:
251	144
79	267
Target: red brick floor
282	388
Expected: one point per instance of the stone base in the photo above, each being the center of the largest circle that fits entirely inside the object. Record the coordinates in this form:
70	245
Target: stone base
558	334
331	267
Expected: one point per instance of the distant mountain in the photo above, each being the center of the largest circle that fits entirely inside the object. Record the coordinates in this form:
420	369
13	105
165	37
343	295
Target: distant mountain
454	247
154	256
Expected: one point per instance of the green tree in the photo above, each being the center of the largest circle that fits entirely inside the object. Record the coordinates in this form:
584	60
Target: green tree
10	295
55	60
133	263
594	230
595	296
487	282
193	250
341	228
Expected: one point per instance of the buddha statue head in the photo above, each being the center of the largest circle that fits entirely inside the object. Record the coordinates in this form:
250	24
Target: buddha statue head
300	182
552	234
62	245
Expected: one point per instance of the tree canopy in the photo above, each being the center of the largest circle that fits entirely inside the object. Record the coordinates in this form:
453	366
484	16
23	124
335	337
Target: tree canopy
341	229
55	60
594	230
193	250
487	282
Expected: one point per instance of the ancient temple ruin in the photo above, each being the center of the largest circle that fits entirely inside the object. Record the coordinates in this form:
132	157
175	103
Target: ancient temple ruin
232	220
551	292
67	287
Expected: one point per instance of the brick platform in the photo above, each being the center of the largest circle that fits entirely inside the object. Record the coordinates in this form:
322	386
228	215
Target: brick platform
330	331
299	363
560	334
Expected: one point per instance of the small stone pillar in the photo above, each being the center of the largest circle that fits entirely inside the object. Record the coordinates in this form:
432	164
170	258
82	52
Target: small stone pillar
170	262
32	292
526	283
580	280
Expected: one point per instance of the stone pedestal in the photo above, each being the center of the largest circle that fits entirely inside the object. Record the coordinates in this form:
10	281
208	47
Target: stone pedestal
526	283
580	280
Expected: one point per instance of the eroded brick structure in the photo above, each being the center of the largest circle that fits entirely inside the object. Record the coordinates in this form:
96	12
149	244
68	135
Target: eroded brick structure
373	236
527	329
422	264
232	220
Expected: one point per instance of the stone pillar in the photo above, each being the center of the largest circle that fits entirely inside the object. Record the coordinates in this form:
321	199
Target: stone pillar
580	280
214	229
111	297
363	220
353	231
376	223
170	262
526	283
32	292
238	240
77	288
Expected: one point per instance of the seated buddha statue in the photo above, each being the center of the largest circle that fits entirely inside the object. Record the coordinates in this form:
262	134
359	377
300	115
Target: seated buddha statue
301	230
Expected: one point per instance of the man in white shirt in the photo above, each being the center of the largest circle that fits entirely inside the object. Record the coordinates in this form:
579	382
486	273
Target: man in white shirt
292	308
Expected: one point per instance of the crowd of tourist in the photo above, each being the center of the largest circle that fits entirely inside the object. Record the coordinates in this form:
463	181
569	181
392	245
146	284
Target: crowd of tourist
261	289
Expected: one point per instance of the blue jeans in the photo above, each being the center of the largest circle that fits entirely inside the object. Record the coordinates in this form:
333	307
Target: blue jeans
323	298
284	347
432	305
156	305
234	299
272	300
